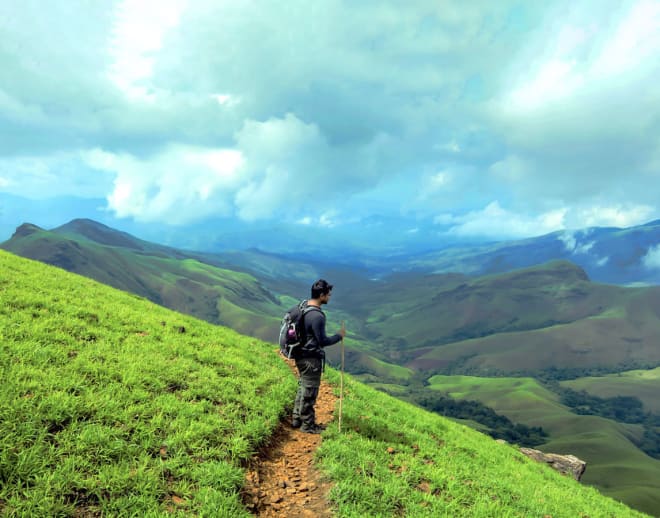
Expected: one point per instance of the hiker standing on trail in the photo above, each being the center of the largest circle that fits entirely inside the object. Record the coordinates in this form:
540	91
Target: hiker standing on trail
310	358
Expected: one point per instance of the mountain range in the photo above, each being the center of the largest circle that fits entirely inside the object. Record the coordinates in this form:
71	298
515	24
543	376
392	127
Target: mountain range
498	337
378	245
117	406
546	316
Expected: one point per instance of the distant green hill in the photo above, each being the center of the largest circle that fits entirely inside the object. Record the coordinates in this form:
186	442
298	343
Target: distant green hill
173	278
528	320
642	384
120	407
610	448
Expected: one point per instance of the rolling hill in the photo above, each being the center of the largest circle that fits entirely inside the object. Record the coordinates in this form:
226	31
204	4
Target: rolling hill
203	287
121	407
609	447
246	290
529	320
642	384
405	328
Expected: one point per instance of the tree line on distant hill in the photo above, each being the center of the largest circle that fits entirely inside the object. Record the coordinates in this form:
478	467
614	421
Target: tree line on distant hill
499	426
624	409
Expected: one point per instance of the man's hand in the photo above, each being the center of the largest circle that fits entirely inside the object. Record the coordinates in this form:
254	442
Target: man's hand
342	331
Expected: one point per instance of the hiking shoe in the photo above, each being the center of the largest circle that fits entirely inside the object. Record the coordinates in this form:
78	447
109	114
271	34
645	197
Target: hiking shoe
295	423
315	428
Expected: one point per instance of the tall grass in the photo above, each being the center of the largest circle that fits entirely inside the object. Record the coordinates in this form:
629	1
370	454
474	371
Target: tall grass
393	459
112	405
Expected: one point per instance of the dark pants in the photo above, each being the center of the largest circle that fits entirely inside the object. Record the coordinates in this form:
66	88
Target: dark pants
308	390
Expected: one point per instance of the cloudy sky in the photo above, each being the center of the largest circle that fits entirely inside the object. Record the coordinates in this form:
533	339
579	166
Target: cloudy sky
498	119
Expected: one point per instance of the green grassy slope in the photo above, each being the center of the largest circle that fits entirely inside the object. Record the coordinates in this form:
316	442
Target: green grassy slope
605	445
527	320
163	275
608	342
393	459
643	384
120	407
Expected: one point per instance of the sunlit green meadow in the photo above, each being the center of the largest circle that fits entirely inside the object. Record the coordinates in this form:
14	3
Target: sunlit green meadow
113	405
643	384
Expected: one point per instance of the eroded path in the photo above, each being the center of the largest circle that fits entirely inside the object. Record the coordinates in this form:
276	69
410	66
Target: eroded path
282	479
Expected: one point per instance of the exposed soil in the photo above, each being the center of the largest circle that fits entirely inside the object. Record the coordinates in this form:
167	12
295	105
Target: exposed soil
282	480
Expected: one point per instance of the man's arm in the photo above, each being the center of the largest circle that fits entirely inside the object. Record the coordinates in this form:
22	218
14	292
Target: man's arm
318	328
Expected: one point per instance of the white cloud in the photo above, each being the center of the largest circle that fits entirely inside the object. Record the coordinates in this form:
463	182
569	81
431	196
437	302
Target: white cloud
652	258
325	102
452	146
328	219
494	221
277	165
137	35
554	80
435	184
582	70
583	54
439	180
287	164
616	215
584	248
512	169
569	239
179	185
602	261
226	99
574	242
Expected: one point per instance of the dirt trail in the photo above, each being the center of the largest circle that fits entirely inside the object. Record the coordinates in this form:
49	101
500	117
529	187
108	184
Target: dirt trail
282	480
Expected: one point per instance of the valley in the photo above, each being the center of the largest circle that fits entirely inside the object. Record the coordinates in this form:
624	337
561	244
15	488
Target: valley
497	339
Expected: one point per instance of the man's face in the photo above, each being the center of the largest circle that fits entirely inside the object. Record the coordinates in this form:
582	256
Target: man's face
325	298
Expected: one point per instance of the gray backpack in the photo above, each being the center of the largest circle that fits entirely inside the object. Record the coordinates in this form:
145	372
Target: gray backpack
292	329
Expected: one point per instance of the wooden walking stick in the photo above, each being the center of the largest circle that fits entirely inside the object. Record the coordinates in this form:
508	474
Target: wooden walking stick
341	376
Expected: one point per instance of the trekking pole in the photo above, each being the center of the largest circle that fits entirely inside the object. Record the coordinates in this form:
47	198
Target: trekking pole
341	377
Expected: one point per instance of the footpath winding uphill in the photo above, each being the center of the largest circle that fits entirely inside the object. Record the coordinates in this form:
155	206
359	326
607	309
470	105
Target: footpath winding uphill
282	479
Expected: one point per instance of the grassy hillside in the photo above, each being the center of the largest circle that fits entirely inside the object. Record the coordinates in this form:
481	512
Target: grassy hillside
607	446
527	320
642	384
120	407
169	277
396	460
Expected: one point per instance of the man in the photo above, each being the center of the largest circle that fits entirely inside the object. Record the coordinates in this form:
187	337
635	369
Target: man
310	358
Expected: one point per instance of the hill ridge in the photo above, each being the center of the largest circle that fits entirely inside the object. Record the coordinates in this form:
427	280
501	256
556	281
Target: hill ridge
516	323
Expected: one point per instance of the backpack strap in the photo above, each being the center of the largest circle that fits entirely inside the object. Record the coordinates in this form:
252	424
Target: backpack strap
306	309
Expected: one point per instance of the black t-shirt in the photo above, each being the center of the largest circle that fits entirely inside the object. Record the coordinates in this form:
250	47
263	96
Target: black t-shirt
316	339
